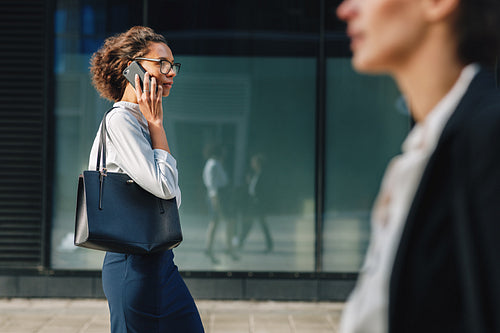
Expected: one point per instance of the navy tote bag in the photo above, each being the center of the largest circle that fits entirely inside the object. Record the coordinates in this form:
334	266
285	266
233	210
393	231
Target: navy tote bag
115	214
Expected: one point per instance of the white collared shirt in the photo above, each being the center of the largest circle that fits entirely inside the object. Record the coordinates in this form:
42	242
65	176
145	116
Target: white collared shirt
367	307
129	150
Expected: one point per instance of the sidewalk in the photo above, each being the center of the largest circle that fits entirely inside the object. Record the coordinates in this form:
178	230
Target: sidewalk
91	316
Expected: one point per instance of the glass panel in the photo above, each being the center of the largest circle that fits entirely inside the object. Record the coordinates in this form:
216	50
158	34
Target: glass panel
244	104
366	123
253	103
248	82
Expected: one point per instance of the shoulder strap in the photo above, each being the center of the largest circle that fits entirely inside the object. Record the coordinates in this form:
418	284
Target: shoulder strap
101	152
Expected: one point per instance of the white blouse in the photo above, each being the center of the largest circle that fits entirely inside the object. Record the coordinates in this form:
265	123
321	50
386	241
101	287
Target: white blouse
129	150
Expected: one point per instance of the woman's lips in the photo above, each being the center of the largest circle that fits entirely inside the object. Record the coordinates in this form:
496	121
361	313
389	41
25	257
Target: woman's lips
356	39
354	43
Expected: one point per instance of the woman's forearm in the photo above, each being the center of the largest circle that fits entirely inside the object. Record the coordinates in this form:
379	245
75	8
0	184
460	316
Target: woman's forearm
158	136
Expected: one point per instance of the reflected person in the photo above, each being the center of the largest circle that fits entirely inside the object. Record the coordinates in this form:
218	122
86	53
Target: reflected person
216	182
433	260
145	293
255	203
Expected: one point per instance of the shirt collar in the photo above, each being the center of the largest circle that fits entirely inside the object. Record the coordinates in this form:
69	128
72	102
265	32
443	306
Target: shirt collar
133	108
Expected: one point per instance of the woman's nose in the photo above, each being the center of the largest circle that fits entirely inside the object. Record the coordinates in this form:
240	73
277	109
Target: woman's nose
346	10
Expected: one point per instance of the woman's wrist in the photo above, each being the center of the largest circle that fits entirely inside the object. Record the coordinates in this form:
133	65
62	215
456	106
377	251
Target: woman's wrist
156	124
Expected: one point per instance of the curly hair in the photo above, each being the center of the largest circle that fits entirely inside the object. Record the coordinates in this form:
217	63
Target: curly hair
478	27
108	63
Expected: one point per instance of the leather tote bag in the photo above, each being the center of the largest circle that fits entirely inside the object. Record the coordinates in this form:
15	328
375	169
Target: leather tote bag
115	214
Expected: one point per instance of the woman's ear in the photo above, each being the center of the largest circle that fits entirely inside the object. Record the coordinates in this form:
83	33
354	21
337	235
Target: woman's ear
440	10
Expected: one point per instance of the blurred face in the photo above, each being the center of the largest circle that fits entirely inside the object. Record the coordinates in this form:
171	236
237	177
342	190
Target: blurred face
159	51
384	33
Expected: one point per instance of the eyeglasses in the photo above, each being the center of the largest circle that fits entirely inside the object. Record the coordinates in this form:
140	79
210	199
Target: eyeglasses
165	65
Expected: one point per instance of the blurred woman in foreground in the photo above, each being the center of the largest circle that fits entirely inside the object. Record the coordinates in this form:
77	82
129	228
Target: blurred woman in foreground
433	260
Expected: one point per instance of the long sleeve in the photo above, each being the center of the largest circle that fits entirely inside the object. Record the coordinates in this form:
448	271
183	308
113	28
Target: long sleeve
128	147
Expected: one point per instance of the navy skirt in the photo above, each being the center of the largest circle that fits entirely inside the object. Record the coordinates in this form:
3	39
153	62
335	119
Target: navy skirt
147	294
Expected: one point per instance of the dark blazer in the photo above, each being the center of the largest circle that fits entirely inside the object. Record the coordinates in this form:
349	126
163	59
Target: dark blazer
446	274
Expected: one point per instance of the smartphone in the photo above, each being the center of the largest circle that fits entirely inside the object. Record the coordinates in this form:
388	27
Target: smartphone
131	70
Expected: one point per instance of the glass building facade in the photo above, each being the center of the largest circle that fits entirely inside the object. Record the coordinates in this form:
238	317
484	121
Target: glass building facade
268	80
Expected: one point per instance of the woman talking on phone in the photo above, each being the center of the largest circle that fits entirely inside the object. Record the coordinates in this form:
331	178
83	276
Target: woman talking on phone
145	293
434	254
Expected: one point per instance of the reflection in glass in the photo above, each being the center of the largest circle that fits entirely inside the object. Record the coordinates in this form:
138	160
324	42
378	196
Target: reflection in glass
244	106
255	201
365	127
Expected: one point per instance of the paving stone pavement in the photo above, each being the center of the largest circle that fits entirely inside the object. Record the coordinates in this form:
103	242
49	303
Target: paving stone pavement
91	316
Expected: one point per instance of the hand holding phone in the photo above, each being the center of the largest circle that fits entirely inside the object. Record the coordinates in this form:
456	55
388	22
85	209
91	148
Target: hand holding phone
150	104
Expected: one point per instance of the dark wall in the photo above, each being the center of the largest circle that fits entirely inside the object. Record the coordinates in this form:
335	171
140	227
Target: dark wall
25	81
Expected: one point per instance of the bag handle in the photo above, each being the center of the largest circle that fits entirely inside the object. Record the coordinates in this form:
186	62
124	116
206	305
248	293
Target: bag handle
101	152
101	155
